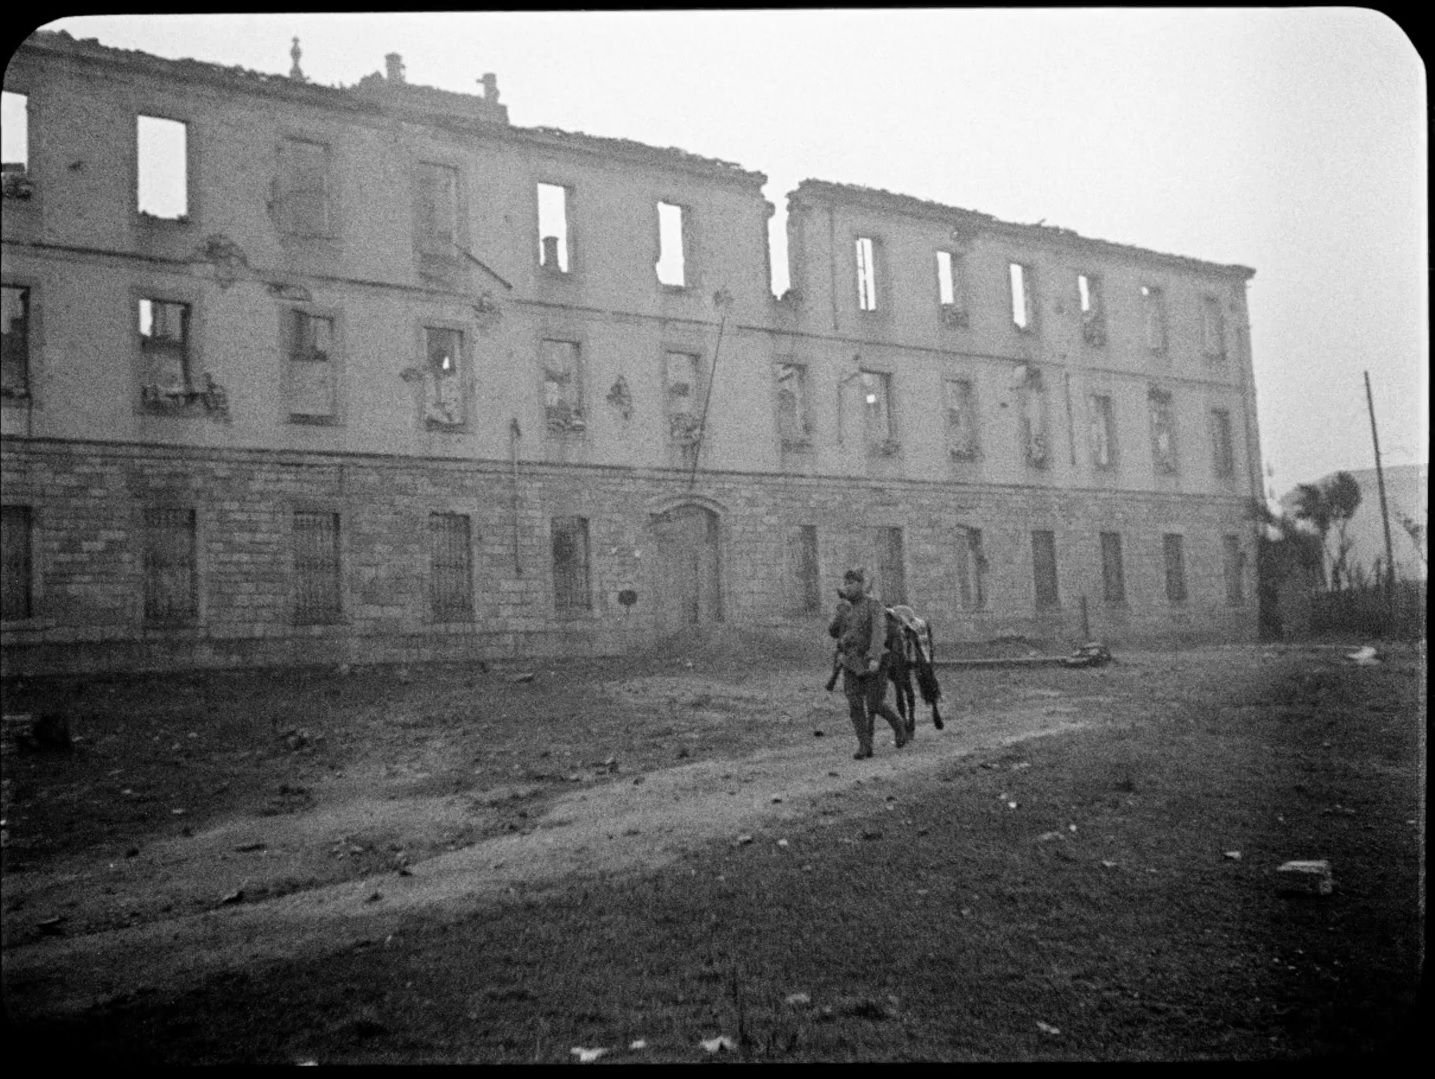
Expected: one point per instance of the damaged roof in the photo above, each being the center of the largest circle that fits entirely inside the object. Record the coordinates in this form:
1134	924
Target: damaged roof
974	221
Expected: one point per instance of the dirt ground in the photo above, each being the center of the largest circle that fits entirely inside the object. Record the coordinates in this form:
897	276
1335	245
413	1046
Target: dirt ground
222	824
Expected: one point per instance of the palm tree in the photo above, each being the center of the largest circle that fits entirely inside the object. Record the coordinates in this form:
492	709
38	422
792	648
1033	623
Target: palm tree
1331	503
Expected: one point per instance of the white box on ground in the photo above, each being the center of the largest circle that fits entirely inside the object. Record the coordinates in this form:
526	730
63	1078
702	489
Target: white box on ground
1305	877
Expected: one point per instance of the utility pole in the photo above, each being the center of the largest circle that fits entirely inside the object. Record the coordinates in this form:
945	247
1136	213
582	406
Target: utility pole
1380	484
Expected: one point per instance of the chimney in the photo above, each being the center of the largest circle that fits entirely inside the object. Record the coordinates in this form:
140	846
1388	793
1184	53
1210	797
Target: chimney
395	67
490	88
550	253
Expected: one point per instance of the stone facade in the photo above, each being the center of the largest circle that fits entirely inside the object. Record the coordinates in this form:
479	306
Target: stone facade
413	350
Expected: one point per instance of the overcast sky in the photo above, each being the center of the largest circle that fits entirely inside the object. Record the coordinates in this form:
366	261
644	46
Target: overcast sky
1293	141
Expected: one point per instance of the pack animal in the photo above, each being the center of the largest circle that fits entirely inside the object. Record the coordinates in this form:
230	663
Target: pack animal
911	644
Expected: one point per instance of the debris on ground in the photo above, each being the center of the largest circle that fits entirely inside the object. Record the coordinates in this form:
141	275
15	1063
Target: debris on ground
1233	855
721	1044
1366	656
796	1000
1090	654
527	676
639	1044
586	1056
1047	1028
744	839
233	897
1310	877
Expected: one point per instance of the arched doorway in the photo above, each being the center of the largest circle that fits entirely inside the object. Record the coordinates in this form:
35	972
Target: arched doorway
687	566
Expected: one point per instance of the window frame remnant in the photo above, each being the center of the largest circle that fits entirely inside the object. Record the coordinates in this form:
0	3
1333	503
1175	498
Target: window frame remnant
318	567
1213	328
17	562
304	197
445	392
794	419
171	566
889	560
166	354
866	264
1091	304
1173	550
572	567
1153	305
879	419
1103	431
1113	570
310	345
952	288
1163	432
1044	570
1034	419
1223	446
682	395
564	410
450	567
438	209
671	266
959	398
804	569
1234	560
1021	283
16	175
971	568
15	343
560	232
156	158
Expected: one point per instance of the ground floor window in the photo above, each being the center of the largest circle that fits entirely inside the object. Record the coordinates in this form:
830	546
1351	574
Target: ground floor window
316	568
15	574
570	564
171	592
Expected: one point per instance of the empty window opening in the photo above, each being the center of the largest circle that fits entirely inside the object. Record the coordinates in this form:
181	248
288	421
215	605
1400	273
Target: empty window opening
672	245
164	339
946	286
312	381
570	564
1023	313
16	595
1103	431
171	589
1163	431
792	414
961	418
554	253
1043	563
1173	546
971	568
451	567
802	561
438	209
866	274
1213	328
1235	564
316	568
163	168
890	565
1223	458
1113	574
683	383
1093	313
1154	301
15	145
877	419
1034	419
562	387
303	202
15	342
443	382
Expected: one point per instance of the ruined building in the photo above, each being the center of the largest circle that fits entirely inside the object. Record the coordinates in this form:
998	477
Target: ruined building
300	374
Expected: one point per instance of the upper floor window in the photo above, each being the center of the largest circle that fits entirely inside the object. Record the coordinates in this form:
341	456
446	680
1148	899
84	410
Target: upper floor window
1103	431
15	145
1153	302
866	273
312	384
438	209
672	245
1213	328
304	196
1034	418
961	404
682	382
878	423
1163	431
952	288
1223	458
555	251
562	387
1023	296
163	174
1093	311
793	422
165	342
15	342
443	376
